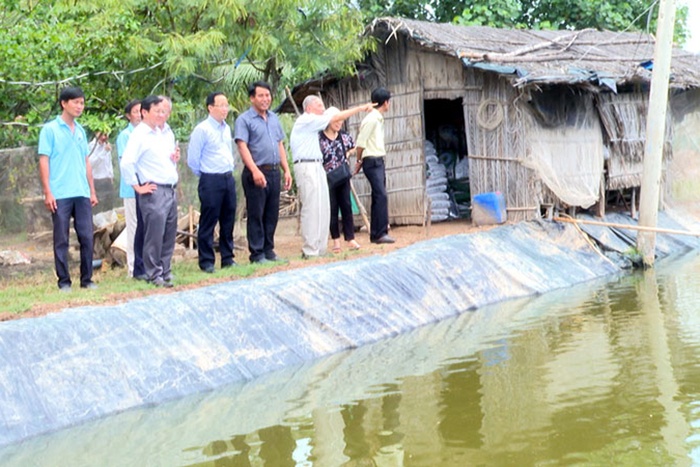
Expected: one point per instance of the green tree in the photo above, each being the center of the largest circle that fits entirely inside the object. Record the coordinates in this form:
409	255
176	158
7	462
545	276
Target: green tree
121	49
614	15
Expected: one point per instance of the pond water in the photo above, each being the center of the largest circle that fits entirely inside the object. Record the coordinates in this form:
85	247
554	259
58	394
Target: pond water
606	373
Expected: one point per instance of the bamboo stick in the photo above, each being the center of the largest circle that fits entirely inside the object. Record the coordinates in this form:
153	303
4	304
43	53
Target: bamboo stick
628	227
360	206
191	226
291	99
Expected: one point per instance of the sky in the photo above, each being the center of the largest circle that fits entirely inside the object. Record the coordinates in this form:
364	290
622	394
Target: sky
693	42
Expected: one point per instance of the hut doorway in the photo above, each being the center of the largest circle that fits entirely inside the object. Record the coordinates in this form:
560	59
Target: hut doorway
447	165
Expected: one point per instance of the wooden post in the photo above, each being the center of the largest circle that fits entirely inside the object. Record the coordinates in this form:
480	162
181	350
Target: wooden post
361	207
601	201
656	131
639	228
191	219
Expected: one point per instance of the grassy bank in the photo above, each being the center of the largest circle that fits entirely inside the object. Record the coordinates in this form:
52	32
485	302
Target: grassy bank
36	291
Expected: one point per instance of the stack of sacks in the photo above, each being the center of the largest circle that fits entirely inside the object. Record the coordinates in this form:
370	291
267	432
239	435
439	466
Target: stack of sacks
436	185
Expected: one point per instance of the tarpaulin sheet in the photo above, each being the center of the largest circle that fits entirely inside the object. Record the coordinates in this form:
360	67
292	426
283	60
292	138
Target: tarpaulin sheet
621	240
178	432
81	364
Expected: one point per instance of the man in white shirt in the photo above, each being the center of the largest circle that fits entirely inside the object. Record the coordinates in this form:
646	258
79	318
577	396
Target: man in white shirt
149	165
309	172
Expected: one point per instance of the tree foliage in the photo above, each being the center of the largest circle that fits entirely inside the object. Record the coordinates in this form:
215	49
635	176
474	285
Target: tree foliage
613	15
118	50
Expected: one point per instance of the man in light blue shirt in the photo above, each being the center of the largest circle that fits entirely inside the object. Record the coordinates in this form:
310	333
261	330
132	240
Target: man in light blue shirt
126	192
210	156
69	191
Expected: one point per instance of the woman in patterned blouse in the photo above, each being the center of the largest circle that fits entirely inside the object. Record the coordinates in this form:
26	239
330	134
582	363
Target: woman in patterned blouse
336	145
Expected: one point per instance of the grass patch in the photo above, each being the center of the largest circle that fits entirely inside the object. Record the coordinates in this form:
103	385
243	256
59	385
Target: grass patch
38	290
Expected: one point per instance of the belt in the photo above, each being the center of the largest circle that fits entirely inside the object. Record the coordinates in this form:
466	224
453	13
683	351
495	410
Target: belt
301	161
269	166
224	174
164	185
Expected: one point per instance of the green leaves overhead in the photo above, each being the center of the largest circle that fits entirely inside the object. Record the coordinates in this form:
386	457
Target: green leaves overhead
118	50
121	49
614	15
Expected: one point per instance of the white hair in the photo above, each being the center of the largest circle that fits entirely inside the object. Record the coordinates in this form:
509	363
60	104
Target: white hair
308	100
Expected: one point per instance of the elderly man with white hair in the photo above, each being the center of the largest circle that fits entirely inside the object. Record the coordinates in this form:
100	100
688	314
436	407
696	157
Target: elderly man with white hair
310	175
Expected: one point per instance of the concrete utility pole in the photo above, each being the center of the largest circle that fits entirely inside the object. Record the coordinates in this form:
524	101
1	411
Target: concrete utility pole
656	131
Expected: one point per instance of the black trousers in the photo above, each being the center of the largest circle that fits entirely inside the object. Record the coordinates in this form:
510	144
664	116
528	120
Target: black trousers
217	196
340	199
139	268
80	210
373	167
262	205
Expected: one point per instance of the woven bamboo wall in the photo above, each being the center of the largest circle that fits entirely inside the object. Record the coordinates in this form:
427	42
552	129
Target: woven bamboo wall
403	130
624	120
496	139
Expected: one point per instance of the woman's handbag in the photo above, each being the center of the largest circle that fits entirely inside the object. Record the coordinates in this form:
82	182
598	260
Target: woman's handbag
339	175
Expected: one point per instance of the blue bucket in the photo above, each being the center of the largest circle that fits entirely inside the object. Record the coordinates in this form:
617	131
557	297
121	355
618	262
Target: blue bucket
488	208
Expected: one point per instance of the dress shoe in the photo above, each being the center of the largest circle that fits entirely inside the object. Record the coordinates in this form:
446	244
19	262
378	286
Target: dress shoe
141	277
259	261
229	265
208	269
89	285
325	255
160	282
384	239
273	257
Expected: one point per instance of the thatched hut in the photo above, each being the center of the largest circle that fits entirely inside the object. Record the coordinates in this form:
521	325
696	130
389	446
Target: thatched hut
547	118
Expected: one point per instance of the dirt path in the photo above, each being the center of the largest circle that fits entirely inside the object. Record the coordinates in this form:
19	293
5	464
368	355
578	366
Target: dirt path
287	245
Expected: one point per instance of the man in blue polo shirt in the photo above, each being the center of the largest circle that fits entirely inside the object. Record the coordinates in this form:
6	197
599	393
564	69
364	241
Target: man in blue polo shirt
260	140
69	191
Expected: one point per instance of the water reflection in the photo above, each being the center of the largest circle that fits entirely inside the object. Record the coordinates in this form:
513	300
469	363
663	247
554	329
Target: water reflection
601	374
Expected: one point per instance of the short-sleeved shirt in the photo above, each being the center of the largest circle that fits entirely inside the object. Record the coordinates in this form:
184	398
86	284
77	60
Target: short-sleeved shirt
303	140
125	190
335	150
67	152
210	149
147	156
261	135
371	135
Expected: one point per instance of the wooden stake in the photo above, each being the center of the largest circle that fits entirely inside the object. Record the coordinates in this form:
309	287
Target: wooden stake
291	99
191	236
628	227
361	207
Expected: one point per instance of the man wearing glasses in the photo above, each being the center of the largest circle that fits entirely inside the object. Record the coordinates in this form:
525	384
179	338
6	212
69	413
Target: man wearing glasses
210	156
